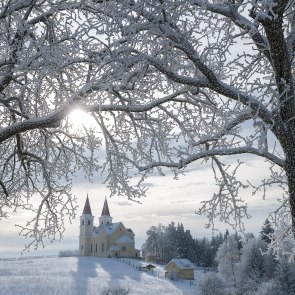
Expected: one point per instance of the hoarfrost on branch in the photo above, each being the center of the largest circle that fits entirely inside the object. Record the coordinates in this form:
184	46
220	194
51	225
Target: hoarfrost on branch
168	83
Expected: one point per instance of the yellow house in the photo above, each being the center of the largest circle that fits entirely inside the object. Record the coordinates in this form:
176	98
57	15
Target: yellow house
108	239
180	269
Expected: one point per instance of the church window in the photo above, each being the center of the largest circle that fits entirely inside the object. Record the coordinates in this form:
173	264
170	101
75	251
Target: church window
96	248
102	247
82	222
82	247
88	222
124	248
91	248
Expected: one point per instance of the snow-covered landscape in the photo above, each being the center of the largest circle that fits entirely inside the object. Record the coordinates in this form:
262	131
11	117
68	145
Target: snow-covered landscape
124	99
86	276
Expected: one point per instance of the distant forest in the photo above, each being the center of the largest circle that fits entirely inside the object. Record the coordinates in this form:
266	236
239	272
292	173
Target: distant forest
166	242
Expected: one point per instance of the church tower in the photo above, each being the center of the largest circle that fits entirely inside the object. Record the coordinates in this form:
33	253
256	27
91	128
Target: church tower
105	217
86	228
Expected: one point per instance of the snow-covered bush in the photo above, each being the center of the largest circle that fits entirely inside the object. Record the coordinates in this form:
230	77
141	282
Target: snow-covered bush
268	288
284	275
68	253
212	284
116	291
251	268
228	256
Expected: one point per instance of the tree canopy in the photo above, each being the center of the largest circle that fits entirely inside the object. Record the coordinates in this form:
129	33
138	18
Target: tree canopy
168	83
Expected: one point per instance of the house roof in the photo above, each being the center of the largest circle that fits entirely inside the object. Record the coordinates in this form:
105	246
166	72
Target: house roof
182	263
87	209
105	209
123	240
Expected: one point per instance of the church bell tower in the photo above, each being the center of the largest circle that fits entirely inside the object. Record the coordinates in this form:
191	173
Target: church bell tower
86	228
105	217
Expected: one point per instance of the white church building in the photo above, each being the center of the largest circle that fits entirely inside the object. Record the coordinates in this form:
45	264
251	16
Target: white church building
108	239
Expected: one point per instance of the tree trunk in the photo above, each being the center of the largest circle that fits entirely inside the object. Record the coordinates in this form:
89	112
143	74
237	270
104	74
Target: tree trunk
290	171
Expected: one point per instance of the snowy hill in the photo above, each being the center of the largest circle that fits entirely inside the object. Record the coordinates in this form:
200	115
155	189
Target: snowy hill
86	276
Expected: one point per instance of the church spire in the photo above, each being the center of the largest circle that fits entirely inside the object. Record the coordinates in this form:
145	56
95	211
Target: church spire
105	209
105	217
87	209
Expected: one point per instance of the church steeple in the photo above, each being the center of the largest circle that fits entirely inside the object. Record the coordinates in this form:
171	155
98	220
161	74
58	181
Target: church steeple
105	209
105	217
86	229
87	209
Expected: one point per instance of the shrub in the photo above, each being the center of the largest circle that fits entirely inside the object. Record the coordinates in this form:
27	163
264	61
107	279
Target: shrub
212	284
116	291
68	253
269	288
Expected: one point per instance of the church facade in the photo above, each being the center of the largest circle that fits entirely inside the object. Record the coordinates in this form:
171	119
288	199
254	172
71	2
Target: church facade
108	239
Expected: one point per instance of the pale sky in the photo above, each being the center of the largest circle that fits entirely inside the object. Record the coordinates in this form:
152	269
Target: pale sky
167	200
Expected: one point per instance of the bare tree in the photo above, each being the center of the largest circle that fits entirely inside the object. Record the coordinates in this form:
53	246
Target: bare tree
168	82
205	80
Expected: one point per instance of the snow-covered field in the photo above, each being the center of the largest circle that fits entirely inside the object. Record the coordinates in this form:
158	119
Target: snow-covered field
86	276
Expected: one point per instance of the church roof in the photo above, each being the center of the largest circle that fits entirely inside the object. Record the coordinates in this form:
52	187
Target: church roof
87	209
107	228
110	228
105	209
123	240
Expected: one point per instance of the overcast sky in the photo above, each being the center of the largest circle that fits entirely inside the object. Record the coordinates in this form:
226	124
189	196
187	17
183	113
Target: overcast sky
167	200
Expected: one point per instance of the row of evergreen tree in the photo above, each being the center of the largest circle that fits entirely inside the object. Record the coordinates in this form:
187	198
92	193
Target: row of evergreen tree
166	242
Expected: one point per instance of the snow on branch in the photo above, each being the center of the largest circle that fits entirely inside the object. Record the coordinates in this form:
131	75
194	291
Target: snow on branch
168	83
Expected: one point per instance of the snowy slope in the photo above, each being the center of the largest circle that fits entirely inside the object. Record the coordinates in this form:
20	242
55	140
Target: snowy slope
85	276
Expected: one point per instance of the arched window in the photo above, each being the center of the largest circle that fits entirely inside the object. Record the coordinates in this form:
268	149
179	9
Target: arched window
82	222
88	222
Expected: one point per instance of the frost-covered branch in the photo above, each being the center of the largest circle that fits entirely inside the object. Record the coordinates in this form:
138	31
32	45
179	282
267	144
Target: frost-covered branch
215	152
168	83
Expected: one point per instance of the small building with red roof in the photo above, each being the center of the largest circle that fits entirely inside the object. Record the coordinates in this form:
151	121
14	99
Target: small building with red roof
108	239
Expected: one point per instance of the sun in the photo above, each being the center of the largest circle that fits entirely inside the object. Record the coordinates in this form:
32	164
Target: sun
78	118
